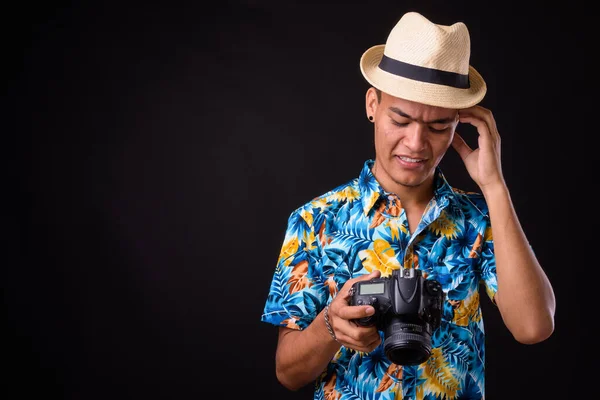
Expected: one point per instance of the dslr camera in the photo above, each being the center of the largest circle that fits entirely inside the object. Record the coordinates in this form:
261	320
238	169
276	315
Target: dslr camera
408	308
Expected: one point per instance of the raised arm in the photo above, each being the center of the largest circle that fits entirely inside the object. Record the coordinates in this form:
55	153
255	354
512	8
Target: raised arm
525	296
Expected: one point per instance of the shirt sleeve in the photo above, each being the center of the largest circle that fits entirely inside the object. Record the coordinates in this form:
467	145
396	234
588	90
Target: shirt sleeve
297	292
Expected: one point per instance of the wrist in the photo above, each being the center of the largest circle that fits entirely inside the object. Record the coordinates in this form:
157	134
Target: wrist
495	190
328	323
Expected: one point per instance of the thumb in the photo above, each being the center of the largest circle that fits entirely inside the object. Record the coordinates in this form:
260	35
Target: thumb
461	147
374	274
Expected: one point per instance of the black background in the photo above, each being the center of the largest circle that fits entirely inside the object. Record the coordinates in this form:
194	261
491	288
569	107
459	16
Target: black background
158	149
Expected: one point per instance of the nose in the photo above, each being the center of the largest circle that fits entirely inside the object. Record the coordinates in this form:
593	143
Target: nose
415	137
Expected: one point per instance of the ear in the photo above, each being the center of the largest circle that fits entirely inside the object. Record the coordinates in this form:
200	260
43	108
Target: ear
371	102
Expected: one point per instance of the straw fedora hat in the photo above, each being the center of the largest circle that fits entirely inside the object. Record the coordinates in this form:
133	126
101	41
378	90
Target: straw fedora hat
425	62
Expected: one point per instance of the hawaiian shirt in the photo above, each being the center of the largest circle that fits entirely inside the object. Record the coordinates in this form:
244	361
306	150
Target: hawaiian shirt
359	227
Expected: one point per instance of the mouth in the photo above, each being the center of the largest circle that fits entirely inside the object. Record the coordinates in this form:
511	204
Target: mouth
411	163
411	160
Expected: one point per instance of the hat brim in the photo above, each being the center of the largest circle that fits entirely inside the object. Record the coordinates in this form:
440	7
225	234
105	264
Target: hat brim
420	92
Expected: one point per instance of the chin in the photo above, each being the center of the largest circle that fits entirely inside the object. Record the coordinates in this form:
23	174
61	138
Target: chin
410	178
408	182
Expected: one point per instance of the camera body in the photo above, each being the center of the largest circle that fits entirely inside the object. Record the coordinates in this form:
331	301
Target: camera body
408	308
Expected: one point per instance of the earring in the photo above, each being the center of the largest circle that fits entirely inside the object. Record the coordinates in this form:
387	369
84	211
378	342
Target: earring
371	118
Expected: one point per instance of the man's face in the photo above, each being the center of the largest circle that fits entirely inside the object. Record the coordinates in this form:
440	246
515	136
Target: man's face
410	140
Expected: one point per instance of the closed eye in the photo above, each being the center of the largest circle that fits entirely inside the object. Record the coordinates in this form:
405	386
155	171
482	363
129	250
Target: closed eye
432	129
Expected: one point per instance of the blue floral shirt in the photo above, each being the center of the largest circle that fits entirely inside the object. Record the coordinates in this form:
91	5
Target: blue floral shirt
359	227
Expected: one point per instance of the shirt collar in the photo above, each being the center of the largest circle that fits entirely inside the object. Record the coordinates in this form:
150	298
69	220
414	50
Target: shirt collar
371	190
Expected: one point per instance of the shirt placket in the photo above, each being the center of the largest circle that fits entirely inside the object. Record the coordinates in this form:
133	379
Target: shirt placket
410	260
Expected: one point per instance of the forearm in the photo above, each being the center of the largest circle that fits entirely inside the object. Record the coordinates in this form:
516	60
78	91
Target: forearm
525	296
303	355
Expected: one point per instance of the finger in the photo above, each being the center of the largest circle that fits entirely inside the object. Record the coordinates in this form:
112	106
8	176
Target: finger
483	114
461	147
374	343
355	312
374	274
486	139
480	124
360	338
365	345
487	115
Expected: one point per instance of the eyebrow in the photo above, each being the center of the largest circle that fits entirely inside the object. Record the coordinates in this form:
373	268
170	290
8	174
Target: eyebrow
435	121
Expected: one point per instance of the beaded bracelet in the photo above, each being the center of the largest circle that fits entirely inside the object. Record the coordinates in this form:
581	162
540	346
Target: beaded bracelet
327	324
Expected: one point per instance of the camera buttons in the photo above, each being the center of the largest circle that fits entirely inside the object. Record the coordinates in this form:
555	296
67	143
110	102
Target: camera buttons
433	287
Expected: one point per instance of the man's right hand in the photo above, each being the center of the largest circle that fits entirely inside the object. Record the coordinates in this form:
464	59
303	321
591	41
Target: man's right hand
342	316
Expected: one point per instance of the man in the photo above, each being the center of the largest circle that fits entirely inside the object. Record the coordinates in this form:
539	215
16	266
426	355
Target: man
401	214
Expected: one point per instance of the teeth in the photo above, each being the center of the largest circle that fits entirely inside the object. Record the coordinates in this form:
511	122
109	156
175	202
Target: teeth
410	159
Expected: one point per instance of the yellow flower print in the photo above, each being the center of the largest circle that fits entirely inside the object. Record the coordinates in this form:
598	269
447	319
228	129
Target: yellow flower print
444	226
488	234
381	258
309	240
396	227
439	378
308	217
466	310
289	248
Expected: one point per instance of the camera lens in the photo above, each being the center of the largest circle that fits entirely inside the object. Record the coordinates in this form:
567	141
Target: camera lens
407	343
